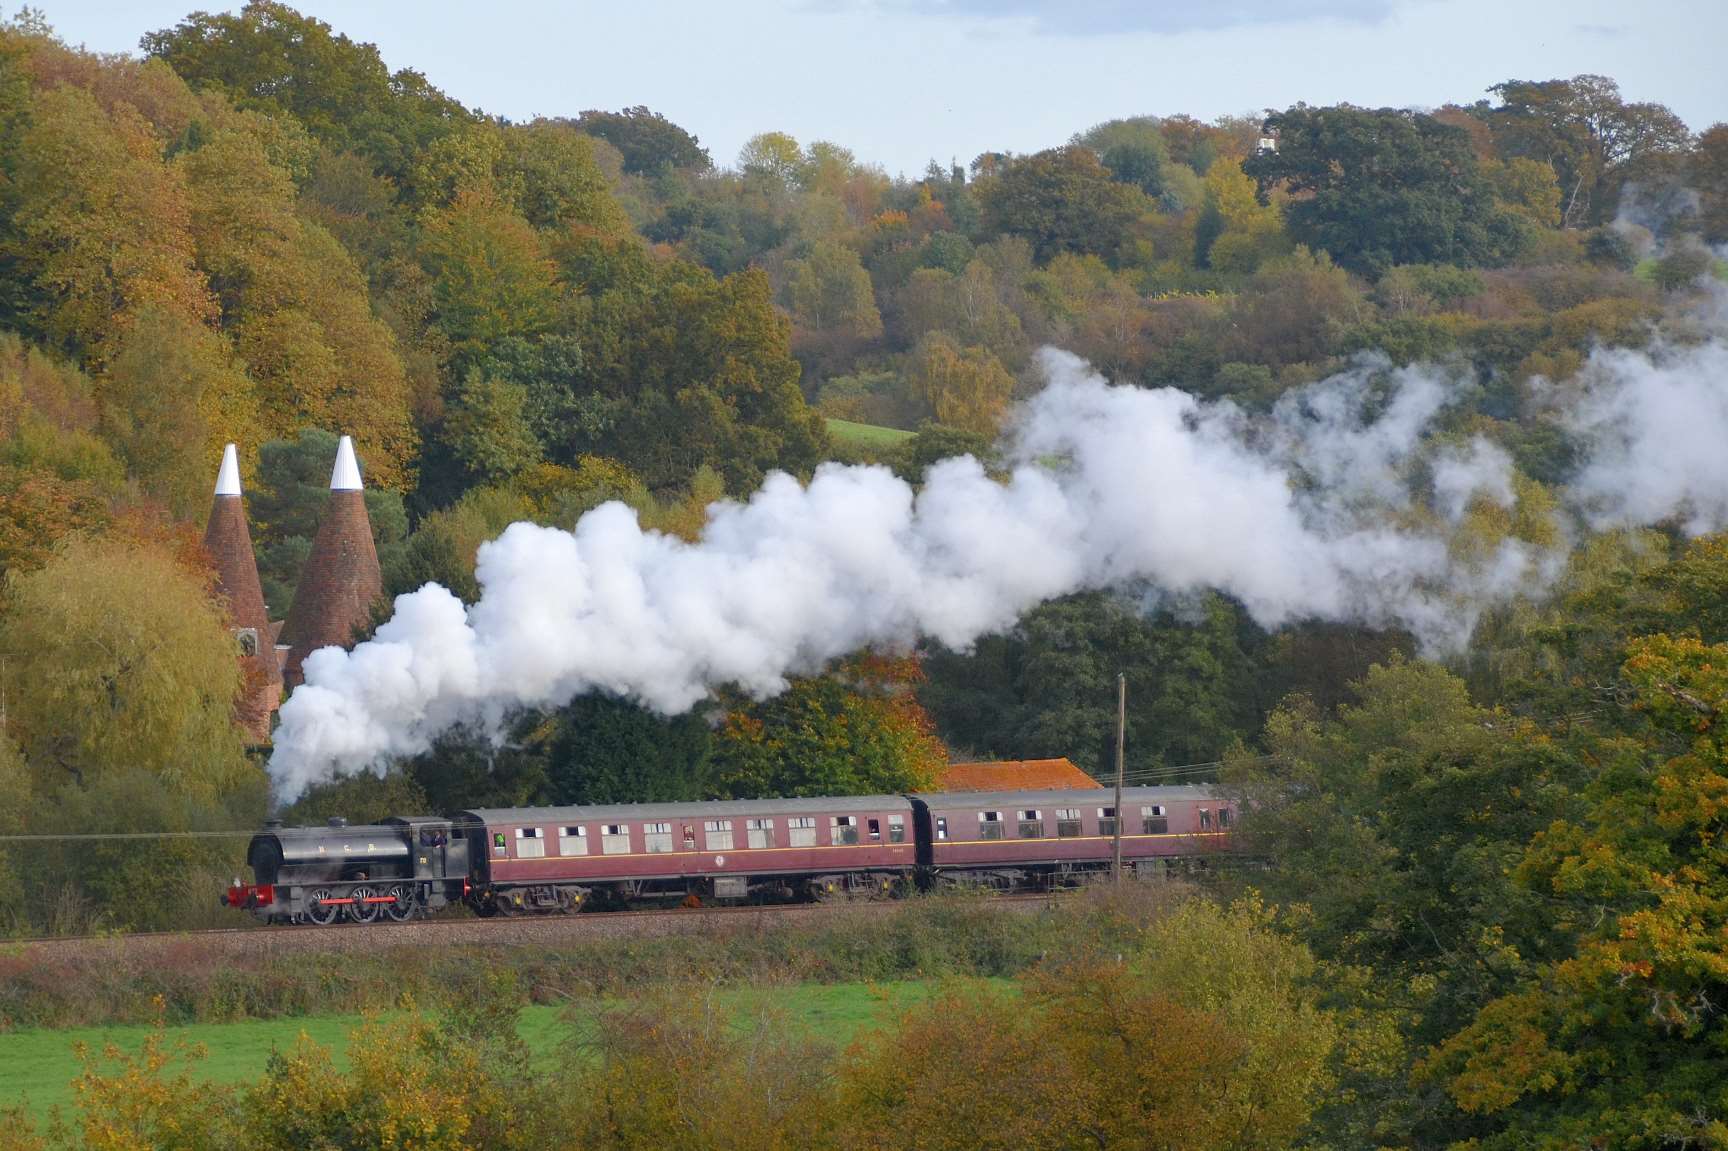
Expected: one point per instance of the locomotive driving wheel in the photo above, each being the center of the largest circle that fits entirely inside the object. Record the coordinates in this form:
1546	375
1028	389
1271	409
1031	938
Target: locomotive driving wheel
401	906
362	910
319	910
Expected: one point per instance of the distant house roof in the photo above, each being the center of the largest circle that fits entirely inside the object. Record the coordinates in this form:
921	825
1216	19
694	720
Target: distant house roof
1015	775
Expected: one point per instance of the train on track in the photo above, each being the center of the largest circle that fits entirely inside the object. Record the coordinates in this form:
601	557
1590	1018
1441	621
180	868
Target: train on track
552	860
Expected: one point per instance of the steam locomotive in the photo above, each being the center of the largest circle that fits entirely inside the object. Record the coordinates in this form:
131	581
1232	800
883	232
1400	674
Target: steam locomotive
558	860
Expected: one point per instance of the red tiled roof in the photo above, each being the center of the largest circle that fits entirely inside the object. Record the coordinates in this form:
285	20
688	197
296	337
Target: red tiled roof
1015	775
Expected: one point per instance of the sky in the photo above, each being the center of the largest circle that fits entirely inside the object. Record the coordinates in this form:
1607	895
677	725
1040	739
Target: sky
901	82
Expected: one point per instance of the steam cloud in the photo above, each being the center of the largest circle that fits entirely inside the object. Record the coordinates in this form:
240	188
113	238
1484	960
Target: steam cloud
1312	512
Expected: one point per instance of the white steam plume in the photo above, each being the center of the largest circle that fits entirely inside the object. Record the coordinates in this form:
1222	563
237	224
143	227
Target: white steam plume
1109	486
1654	430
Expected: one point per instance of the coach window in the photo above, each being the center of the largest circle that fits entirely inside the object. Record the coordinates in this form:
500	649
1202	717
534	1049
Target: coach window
1153	821
1106	821
759	832
1205	820
989	825
1031	824
941	827
615	839
844	830
499	843
875	829
1223	817
896	829
573	840
717	833
529	844
656	837
801	831
1068	822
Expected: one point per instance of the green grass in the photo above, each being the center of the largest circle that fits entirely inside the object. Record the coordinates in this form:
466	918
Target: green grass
37	1067
866	435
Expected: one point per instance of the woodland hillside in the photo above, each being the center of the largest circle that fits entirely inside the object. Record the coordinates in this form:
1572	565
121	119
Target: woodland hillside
1507	860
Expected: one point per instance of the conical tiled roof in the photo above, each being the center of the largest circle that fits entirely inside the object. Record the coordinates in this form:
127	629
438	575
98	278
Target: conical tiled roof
341	581
228	541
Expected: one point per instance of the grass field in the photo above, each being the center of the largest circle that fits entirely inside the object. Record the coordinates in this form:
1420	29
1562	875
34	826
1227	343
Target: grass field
866	435
38	1067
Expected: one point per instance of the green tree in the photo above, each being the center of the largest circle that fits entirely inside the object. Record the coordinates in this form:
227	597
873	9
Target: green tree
1048	687
610	751
1380	187
684	370
291	493
830	293
647	140
1062	200
549	170
1133	149
491	277
825	736
487	428
772	156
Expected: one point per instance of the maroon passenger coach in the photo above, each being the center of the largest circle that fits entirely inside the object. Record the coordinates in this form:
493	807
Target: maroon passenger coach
1049	838
558	858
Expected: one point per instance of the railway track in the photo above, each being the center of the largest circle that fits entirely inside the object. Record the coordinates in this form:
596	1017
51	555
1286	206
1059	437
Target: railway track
542	930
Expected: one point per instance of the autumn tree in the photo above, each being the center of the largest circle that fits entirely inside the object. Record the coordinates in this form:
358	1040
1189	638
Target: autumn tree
131	667
965	388
295	305
1588	134
1709	174
171	396
269	56
1620	1041
103	224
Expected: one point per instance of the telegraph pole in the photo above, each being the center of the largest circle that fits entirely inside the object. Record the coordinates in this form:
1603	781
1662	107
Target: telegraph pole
1121	736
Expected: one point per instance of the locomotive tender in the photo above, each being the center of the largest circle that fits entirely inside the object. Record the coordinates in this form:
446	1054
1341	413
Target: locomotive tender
544	860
